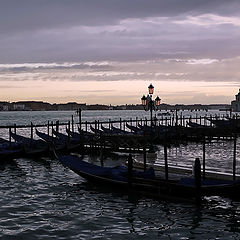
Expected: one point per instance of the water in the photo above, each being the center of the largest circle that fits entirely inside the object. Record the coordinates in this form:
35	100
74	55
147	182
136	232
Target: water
41	199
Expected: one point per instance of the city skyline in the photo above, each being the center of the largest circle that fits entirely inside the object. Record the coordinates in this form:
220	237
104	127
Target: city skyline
100	52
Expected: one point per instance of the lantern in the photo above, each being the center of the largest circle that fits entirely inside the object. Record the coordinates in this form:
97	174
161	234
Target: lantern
144	100
150	89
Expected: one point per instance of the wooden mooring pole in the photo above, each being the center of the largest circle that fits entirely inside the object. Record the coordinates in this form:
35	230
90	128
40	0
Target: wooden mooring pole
80	118
234	156
166	161
204	156
130	169
72	124
10	137
197	177
31	134
144	159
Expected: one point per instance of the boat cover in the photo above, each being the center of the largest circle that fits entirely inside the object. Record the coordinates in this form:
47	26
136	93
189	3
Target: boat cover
119	173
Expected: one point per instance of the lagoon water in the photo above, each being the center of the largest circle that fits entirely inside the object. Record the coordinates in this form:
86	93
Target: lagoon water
41	199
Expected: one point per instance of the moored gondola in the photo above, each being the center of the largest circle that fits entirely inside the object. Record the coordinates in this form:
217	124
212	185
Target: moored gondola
32	148
147	184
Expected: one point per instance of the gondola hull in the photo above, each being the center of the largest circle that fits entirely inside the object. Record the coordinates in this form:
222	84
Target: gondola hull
183	189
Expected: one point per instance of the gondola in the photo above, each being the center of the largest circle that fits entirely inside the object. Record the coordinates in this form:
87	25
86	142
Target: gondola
9	150
32	148
106	130
135	129
197	125
61	144
120	131
147	184
96	131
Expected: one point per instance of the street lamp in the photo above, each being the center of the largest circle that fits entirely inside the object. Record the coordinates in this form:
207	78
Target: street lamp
150	105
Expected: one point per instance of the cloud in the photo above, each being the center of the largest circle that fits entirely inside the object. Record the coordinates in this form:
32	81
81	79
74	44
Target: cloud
209	20
193	70
77	30
48	66
27	15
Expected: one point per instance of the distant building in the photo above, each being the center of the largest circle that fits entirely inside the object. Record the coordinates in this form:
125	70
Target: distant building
18	107
4	106
235	104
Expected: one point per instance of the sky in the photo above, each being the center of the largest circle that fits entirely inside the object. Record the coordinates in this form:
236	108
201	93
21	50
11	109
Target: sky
109	51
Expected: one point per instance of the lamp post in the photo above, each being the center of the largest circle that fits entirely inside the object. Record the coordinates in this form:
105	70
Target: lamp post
150	105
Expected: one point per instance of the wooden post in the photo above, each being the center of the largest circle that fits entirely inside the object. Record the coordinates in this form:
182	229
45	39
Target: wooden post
109	125
31	134
234	156
144	159
57	126
95	124
130	169
101	150
166	161
52	129
48	128
15	130
120	123
68	138
10	137
86	126
80	117
204	155
72	124
197	177
181	119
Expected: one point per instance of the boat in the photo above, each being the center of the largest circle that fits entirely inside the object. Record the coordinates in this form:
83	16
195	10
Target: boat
61	143
164	114
197	125
96	131
120	131
148	184
135	129
32	148
9	150
106	130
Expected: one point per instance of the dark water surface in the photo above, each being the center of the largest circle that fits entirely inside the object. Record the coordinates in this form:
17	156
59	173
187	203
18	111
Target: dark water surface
41	199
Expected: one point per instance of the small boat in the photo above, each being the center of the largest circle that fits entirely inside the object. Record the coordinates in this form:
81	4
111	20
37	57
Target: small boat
96	131
120	131
106	130
147	184
164	114
196	125
32	148
135	129
9	150
61	143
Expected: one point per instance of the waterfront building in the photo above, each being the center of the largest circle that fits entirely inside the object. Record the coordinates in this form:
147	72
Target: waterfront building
235	104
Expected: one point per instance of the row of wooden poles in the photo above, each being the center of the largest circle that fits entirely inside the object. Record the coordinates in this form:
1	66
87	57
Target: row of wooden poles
203	159
122	125
161	120
167	121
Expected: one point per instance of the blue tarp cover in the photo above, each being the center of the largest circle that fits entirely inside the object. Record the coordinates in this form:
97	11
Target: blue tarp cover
119	173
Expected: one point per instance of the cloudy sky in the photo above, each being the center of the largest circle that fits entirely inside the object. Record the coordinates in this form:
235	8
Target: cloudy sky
108	51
